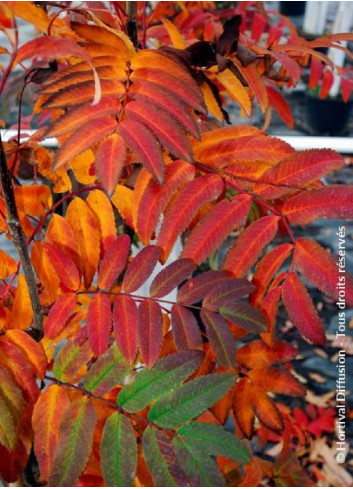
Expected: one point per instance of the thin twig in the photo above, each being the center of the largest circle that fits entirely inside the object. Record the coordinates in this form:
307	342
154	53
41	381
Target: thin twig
19	240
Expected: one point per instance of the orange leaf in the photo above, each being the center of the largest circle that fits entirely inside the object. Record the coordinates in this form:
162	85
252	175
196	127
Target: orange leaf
33	200
45	271
8	266
99	323
259	354
47	416
60	234
242	407
277	381
81	93
301	310
21	315
110	159
75	118
235	89
183	89
85	226
250	244
90	133
100	204
30	349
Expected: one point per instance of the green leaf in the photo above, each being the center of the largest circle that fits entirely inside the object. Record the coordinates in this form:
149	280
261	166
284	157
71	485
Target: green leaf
166	375
76	438
118	450
156	447
107	372
190	400
214	440
8	435
202	470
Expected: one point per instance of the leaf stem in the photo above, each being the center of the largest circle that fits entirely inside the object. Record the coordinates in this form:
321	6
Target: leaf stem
19	240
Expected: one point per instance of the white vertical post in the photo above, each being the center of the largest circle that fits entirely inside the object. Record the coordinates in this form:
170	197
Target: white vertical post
315	18
343	23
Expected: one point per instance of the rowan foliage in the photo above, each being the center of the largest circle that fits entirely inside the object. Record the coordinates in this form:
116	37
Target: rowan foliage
111	385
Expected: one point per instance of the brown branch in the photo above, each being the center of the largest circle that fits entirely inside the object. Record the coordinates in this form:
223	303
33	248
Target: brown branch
19	240
131	24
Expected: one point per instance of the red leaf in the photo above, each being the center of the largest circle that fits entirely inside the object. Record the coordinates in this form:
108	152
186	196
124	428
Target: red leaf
125	320
150	331
316	69
267	268
141	268
327	82
151	93
301	310
289	64
163	127
99	322
109	162
231	289
186	331
257	27
333	202
321	269
215	227
32	351
185	207
14	360
151	198
172	275
281	106
260	354
90	133
64	266
142	142
113	262
221	339
78	116
59	314
299	169
195	289
242	256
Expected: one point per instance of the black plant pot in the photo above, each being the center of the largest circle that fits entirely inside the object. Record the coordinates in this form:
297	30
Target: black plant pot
292	9
328	116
